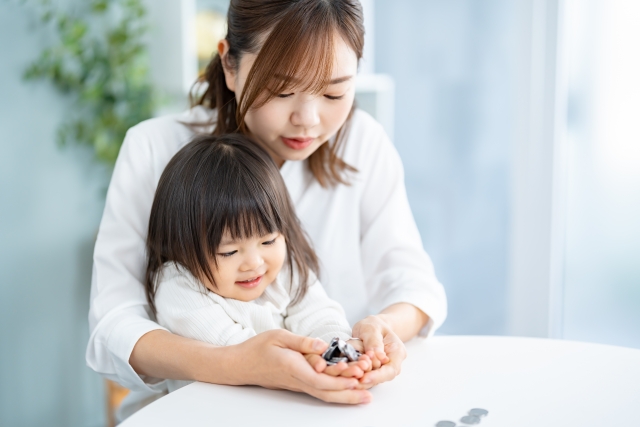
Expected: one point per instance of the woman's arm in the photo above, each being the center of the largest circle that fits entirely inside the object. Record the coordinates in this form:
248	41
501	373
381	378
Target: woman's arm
401	282
405	320
272	359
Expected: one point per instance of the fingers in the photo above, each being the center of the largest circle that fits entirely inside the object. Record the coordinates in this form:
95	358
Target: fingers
342	369
375	362
351	397
337	369
364	363
372	331
310	379
352	371
316	361
385	373
304	345
397	354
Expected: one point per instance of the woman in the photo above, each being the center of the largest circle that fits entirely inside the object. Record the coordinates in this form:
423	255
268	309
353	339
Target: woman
285	76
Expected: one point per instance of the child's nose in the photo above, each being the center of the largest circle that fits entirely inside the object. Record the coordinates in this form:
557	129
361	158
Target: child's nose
252	261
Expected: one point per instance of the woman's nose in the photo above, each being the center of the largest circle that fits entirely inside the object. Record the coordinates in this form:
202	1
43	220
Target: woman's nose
306	114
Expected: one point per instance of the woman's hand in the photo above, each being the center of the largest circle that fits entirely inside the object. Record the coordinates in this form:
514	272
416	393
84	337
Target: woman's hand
383	346
274	359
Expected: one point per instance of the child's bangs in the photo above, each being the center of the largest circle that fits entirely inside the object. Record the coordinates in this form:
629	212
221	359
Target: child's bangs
298	55
246	209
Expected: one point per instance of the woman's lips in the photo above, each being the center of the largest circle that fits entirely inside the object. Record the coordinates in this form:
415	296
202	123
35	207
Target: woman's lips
251	283
297	143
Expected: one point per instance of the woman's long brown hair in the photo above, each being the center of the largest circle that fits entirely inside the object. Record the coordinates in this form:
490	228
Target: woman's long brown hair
216	184
294	43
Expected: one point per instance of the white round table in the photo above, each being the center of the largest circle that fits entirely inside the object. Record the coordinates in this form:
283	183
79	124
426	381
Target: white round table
522	382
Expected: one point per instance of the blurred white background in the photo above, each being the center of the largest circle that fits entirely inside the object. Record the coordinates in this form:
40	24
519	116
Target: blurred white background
517	122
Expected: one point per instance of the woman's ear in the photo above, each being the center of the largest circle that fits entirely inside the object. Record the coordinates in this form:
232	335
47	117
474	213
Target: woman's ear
229	72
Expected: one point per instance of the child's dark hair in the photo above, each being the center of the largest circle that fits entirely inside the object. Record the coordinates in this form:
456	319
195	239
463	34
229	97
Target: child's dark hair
216	184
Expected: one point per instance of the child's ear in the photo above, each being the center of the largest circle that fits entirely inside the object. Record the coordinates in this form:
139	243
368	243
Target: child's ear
229	71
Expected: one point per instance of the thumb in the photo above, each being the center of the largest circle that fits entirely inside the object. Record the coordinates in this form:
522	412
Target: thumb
304	345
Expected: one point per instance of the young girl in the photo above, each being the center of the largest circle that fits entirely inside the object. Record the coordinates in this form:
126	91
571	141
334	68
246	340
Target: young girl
227	258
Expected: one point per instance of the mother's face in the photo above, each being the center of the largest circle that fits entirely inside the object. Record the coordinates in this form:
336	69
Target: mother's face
293	125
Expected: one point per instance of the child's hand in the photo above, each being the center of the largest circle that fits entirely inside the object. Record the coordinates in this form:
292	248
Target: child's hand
377	358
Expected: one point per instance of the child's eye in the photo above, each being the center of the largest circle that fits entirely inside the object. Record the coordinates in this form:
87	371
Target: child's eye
226	254
285	95
334	98
270	242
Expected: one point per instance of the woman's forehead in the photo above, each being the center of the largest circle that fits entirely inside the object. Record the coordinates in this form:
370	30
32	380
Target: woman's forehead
344	67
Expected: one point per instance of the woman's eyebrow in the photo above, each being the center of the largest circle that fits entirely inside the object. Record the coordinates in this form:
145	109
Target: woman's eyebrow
340	80
335	81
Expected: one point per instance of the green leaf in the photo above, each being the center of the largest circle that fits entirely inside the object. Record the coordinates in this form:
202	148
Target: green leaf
99	59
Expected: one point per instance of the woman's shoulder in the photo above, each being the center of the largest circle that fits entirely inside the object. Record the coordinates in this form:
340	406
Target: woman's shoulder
363	122
173	129
366	141
155	141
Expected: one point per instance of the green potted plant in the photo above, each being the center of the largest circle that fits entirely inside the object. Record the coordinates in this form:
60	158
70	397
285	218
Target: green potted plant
100	60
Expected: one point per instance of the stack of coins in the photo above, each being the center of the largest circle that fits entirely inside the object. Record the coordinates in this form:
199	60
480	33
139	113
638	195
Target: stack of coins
340	351
474	416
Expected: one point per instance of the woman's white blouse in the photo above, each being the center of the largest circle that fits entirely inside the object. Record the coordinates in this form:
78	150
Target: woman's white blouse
364	234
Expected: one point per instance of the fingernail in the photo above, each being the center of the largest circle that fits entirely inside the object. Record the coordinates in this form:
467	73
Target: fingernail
365	399
318	345
366	381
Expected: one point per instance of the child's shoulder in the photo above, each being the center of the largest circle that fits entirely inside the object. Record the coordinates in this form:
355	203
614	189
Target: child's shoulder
174	277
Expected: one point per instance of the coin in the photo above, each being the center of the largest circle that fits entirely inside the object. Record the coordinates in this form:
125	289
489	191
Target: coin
340	350
351	352
470	419
335	360
446	424
478	412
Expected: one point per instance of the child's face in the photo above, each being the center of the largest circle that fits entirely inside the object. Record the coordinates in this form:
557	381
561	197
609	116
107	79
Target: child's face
247	267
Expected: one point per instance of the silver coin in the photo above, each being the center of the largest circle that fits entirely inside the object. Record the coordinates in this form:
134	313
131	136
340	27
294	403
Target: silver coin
335	360
446	424
332	350
478	412
351	352
339	350
470	419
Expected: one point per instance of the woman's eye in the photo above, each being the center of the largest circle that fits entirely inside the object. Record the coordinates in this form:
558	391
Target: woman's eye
285	95
333	97
270	242
227	254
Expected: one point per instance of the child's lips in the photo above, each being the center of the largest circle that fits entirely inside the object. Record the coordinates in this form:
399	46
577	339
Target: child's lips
251	283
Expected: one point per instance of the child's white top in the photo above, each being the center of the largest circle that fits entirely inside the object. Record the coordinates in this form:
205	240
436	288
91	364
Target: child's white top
187	308
365	236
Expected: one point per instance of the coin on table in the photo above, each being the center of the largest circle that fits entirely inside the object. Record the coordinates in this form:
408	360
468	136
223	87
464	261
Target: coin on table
470	419
446	424
478	412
